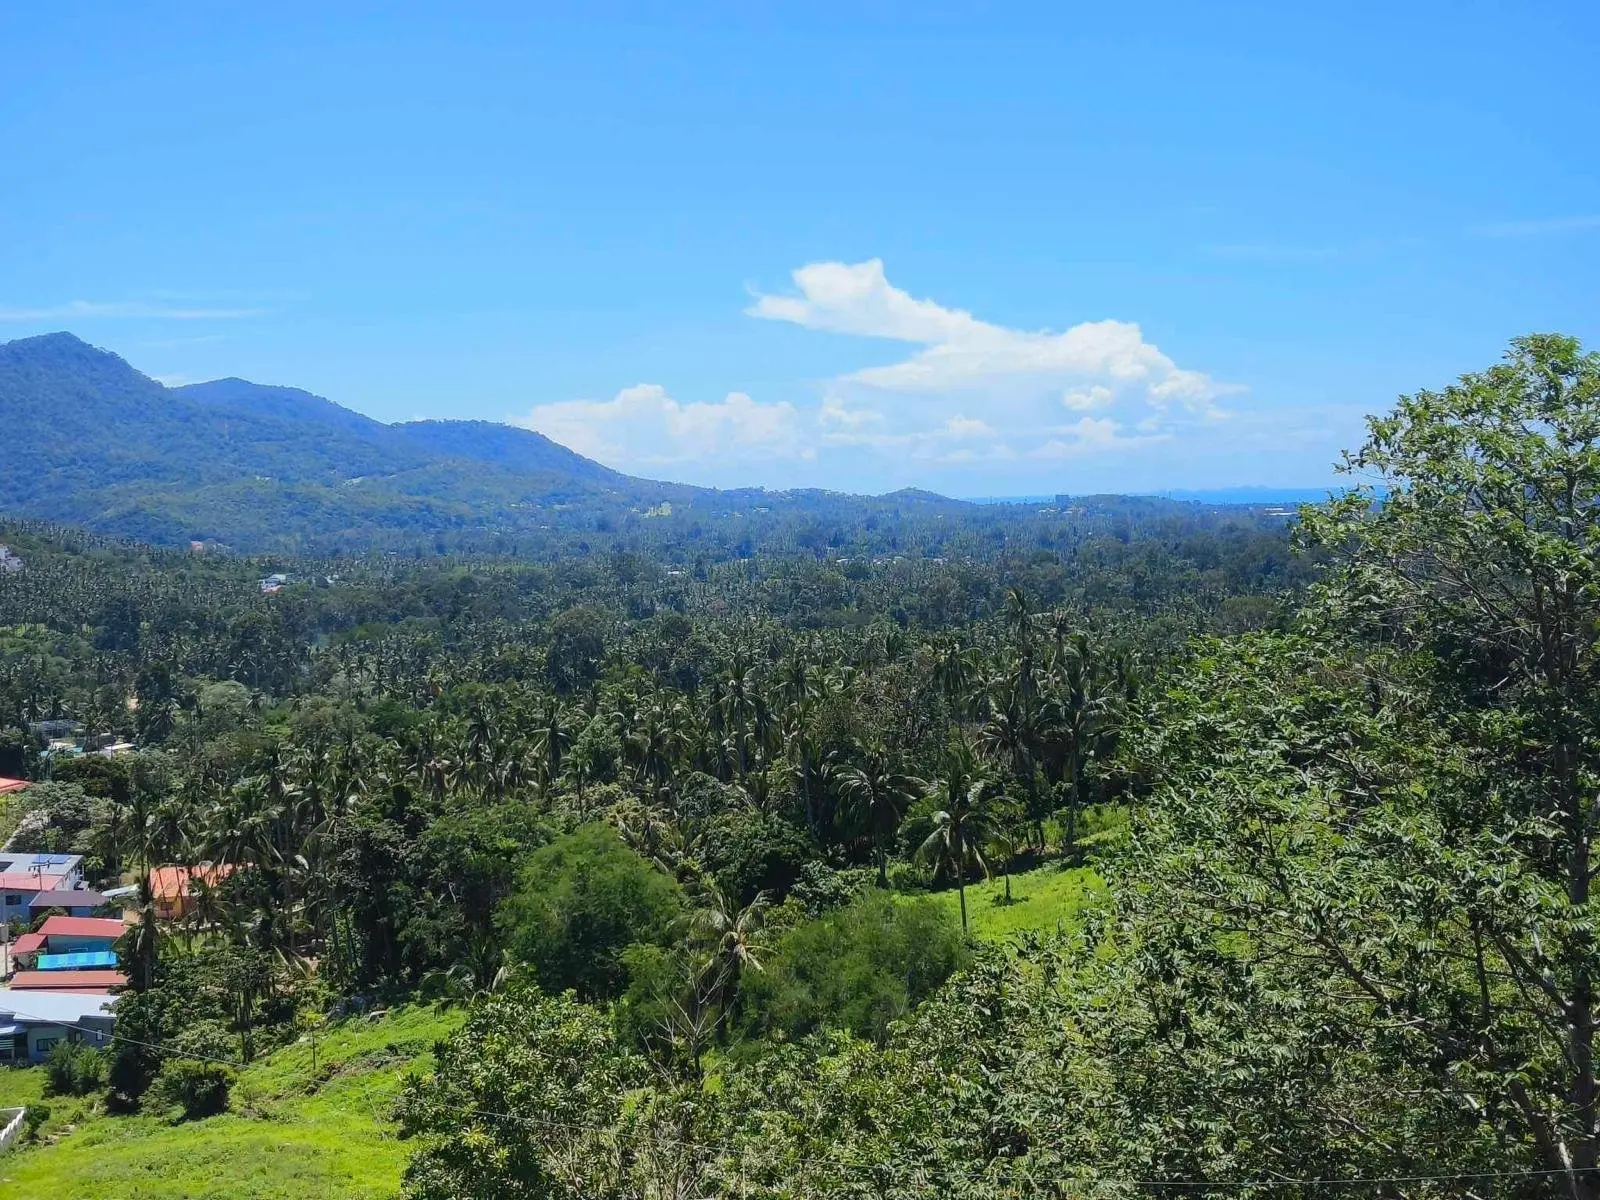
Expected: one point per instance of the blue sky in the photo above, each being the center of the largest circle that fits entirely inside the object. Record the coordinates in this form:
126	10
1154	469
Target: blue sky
1023	250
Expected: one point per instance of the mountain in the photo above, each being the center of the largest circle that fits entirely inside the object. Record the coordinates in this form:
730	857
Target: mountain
91	441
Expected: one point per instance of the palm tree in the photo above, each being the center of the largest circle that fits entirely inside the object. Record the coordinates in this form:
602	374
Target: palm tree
877	793
959	827
731	935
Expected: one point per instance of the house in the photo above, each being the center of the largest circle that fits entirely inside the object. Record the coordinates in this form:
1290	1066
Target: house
33	1022
24	876
273	582
173	888
70	954
9	562
67	867
66	935
74	902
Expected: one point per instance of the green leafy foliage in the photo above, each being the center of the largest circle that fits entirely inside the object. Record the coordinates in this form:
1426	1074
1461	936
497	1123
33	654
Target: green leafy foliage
580	903
196	1089
858	968
74	1069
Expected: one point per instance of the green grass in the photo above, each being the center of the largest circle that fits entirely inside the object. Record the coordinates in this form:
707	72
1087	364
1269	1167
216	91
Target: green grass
291	1135
1043	900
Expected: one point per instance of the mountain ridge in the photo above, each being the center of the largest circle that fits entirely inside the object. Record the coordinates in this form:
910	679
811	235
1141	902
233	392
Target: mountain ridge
93	441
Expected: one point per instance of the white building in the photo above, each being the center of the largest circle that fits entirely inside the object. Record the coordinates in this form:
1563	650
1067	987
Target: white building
32	1023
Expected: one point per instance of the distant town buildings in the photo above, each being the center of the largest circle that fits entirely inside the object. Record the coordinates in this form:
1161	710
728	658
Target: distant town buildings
9	562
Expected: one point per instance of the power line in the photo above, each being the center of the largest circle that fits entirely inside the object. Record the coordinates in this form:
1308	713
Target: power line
102	1035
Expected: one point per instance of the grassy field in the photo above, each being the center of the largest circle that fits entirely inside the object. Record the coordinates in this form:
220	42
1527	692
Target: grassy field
293	1134
1042	900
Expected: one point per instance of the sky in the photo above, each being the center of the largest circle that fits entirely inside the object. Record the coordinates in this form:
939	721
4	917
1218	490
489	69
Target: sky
1001	250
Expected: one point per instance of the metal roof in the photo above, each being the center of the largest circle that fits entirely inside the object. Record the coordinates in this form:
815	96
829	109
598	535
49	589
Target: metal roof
89	927
66	981
53	1008
77	960
67	898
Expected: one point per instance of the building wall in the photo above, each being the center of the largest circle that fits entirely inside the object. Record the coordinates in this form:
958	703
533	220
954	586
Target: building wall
66	943
43	1038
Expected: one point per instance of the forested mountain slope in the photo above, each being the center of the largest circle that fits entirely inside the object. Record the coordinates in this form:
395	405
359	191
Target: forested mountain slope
92	441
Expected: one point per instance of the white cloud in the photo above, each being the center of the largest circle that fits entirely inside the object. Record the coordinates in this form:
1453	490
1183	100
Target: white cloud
835	415
961	351
1092	434
961	426
642	426
1088	398
74	310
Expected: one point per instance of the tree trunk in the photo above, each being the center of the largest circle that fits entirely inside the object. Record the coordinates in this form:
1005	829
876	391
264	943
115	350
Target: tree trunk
961	892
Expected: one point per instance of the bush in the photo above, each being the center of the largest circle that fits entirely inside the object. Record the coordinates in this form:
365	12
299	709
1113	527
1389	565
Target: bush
580	902
857	968
197	1089
74	1069
34	1116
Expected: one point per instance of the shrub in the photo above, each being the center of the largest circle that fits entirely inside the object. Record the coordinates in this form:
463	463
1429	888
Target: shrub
197	1089
74	1069
580	902
857	968
34	1116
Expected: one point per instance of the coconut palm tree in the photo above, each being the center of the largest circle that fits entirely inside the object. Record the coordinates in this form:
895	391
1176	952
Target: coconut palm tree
731	937
960	826
877	792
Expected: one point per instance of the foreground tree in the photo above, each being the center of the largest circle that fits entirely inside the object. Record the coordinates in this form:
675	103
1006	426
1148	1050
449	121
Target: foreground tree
1487	553
1377	837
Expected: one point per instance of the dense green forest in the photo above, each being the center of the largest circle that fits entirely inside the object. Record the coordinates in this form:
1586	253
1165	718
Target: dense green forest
677	821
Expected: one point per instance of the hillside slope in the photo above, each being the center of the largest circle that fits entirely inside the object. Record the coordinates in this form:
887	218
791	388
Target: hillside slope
293	1134
92	441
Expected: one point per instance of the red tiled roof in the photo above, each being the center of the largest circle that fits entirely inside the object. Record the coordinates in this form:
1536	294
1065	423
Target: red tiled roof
67	981
27	881
11	785
28	943
90	927
172	883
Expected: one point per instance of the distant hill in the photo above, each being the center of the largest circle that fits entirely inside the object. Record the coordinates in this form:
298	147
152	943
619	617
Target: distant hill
91	441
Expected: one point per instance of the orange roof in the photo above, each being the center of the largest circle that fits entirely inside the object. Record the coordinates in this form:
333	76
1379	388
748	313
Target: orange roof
67	981
27	881
28	943
89	927
11	785
172	883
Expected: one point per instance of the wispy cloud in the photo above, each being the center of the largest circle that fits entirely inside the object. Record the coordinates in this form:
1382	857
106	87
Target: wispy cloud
1539	228
85	310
